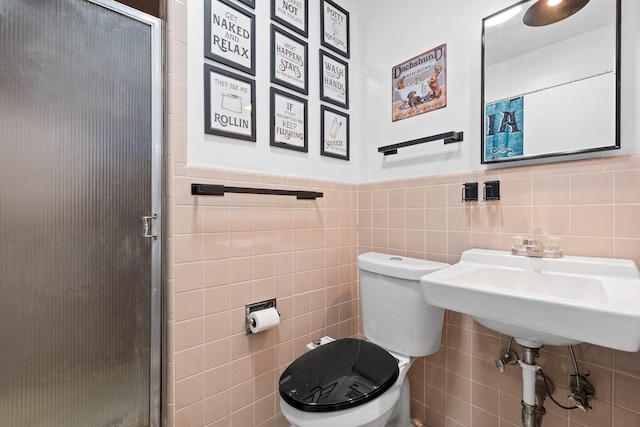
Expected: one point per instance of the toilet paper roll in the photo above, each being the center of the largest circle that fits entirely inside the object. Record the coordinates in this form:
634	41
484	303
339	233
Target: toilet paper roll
261	320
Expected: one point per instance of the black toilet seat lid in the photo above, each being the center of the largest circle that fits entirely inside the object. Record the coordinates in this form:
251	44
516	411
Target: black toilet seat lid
338	375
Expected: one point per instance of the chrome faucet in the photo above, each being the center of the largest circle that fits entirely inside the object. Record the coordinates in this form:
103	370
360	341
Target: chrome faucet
534	248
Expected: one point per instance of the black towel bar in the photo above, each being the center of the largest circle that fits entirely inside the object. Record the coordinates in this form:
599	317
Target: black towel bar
219	190
449	137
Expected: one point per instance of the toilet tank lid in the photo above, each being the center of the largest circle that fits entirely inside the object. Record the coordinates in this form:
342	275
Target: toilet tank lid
401	267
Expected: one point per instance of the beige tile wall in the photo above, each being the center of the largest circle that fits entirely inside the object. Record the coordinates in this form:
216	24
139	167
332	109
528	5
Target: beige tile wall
592	205
225	252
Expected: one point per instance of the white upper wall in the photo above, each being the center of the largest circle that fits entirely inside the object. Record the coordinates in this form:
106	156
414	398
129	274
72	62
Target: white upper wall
383	35
396	33
259	156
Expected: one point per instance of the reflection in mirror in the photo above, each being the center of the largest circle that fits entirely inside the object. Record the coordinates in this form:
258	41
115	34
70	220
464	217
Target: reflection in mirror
550	87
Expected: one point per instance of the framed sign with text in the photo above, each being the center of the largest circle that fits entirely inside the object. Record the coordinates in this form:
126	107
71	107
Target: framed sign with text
334	133
288	121
229	36
229	104
419	85
293	14
250	3
334	27
289	57
334	80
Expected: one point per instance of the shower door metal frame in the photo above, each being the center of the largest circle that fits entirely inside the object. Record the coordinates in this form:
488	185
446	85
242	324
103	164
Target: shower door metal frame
156	27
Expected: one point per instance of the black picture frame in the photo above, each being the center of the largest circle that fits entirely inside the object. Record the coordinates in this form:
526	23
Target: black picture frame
289	60
334	80
334	28
293	14
289	115
230	42
250	3
334	133
229	104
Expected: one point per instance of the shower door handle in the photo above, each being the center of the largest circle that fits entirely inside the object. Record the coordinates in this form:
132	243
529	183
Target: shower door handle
147	226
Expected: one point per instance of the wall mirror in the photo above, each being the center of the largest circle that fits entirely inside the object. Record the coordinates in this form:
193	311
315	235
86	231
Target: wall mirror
550	86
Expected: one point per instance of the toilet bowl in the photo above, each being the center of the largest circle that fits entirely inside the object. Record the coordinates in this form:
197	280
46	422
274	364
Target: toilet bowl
358	383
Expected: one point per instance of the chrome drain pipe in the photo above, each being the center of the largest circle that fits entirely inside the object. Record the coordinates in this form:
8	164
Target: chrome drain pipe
536	386
534	390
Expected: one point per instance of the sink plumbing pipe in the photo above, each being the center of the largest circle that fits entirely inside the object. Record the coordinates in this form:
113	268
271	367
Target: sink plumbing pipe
534	389
536	386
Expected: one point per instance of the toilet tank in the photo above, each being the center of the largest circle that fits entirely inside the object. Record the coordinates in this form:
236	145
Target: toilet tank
394	313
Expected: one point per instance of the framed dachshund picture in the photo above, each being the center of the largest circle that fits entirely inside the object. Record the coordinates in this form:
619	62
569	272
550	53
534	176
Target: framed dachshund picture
419	85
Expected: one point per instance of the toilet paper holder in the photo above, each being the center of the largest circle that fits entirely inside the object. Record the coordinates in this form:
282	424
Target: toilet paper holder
256	306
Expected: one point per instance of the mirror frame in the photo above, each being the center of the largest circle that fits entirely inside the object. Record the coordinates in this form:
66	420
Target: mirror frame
618	63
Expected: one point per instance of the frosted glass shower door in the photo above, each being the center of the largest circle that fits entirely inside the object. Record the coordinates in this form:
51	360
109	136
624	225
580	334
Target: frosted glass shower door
80	165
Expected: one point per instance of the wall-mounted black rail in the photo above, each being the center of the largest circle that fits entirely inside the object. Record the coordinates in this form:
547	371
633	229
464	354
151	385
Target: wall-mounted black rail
219	190
449	137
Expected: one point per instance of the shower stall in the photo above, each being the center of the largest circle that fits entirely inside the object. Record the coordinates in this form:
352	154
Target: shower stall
81	93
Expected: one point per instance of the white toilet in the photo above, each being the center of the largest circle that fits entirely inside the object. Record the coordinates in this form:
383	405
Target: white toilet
356	383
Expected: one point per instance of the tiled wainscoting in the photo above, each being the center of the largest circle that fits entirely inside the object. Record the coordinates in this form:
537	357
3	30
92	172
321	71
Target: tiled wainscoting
593	205
227	251
224	252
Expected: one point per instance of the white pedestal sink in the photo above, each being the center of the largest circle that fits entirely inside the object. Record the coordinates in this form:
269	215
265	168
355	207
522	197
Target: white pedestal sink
544	301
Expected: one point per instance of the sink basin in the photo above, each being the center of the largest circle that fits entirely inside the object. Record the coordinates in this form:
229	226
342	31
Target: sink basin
544	301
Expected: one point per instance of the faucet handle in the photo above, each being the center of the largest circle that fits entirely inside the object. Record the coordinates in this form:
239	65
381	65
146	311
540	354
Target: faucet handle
517	246
554	248
529	241
529	246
